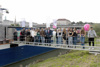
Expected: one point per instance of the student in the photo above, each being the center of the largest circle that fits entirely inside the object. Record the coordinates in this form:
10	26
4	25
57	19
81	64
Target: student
49	35
82	35
42	34
35	35
18	35
67	35
74	36
70	38
32	34
91	35
64	36
38	36
15	35
28	35
54	36
46	31
59	35
23	34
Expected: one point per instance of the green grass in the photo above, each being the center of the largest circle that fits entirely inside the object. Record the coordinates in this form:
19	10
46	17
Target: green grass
72	59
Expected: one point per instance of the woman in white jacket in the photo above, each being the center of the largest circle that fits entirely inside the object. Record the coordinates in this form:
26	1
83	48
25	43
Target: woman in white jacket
54	36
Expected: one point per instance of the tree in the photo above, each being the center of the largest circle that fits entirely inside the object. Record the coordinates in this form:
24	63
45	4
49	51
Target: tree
80	22
97	28
73	22
12	24
15	25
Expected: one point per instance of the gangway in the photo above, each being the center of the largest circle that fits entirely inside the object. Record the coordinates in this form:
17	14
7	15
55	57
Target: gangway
91	49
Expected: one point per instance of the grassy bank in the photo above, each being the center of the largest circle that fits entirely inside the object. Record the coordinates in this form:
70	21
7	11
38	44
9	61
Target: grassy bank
72	59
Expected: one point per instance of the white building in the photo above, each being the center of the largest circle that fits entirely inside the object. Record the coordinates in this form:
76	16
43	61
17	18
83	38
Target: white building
7	22
27	24
63	22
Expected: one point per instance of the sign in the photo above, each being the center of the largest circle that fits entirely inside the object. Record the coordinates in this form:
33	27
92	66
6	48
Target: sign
30	24
47	22
23	23
47	25
54	24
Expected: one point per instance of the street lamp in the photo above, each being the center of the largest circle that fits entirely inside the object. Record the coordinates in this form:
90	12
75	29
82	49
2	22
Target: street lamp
1	13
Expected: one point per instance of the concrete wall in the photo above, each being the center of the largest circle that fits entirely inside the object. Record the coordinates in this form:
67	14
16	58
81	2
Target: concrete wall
9	32
2	32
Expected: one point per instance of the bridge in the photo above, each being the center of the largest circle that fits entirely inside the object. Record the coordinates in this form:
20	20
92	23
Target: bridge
91	49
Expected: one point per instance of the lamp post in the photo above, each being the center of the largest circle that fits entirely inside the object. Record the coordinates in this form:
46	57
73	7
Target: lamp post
1	12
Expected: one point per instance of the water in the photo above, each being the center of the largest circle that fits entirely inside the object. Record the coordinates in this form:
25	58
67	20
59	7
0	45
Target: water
25	63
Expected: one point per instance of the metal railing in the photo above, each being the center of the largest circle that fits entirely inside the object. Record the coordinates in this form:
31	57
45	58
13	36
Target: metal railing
38	39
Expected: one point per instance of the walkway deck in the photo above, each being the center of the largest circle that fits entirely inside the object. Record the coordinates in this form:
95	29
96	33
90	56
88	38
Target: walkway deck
64	46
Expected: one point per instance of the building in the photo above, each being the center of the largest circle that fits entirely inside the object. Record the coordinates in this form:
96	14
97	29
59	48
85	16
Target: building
7	22
63	22
27	24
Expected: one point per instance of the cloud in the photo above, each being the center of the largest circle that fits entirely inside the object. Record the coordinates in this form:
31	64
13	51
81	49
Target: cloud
39	10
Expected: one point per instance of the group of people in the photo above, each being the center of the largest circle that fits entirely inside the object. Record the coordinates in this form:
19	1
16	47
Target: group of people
58	36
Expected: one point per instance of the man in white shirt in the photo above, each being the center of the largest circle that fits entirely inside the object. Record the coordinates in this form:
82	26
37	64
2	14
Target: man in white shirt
91	35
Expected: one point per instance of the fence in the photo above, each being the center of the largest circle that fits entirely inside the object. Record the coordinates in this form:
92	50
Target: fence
39	39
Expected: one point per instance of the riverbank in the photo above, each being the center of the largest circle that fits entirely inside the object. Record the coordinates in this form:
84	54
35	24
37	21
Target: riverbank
72	59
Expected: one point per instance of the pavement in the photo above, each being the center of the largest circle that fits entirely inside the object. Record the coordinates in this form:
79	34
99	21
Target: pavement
5	46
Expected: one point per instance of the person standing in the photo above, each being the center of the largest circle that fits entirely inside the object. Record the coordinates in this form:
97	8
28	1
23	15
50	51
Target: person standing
59	35
64	36
15	35
42	34
32	34
18	35
28	34
67	35
23	34
70	38
35	35
46	31
82	37
49	35
91	35
38	36
74	36
54	36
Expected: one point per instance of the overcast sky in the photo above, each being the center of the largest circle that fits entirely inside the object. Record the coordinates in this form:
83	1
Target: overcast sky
42	11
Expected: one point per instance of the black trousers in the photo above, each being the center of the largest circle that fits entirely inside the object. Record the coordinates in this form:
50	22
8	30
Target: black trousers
91	40
15	38
46	39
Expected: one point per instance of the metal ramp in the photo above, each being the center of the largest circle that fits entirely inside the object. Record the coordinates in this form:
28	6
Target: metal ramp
91	49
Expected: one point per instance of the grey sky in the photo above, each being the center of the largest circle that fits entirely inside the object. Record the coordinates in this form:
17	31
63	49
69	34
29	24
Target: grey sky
42	11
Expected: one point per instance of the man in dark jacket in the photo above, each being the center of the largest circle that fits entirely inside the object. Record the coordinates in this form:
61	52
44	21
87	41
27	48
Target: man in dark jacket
15	35
23	34
45	35
49	35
